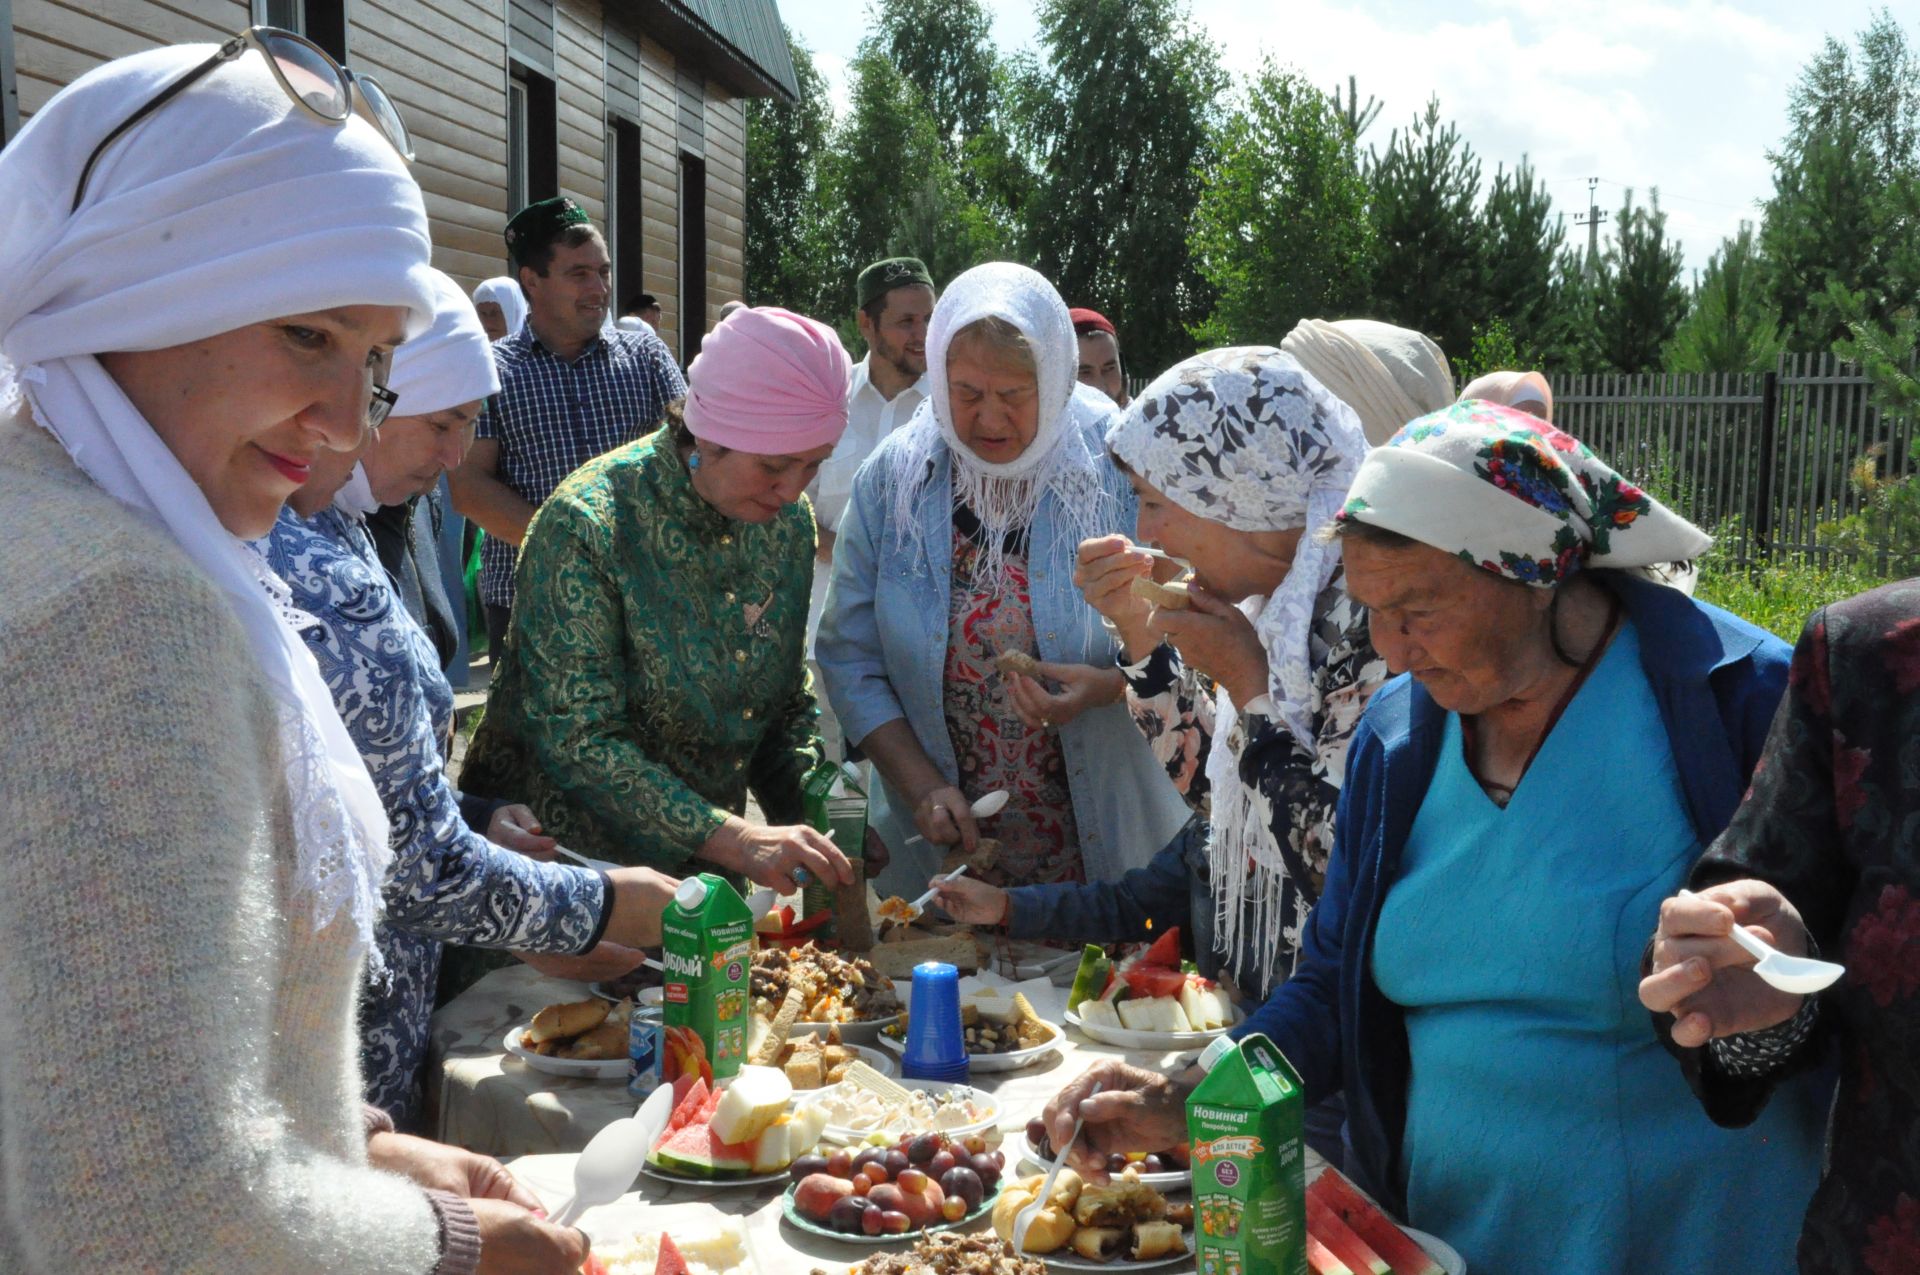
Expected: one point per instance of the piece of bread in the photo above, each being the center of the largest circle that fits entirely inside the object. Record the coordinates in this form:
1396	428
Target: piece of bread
603	1043
558	1021
1017	662
1167	597
896	960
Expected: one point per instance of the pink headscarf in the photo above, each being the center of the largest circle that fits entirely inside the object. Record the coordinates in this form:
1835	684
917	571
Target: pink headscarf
1513	389
769	382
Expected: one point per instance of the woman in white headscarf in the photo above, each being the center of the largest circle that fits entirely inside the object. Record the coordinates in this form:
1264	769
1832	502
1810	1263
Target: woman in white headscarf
958	548
1388	375
205	267
501	305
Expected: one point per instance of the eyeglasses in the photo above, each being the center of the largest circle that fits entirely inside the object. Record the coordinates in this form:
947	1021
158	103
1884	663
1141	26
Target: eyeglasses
381	407
306	71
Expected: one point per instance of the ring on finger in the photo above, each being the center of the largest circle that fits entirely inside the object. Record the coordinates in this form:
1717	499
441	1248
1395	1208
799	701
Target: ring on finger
801	876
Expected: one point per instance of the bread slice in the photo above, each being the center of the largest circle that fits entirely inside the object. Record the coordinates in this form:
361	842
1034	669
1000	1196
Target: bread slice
963	951
1167	597
1017	662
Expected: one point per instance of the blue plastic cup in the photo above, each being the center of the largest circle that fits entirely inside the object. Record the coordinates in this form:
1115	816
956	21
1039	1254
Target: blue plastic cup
936	1043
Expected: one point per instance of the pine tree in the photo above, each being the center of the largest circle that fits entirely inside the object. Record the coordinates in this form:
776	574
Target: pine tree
1731	325
1641	299
1114	126
787	255
1523	238
1429	268
1281	230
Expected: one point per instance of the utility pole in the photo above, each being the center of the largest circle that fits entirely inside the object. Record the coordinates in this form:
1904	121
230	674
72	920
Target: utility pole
1592	221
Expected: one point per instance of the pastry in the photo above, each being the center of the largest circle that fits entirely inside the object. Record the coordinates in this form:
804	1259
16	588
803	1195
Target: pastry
1099	1243
571	1019
605	1042
1156	1239
1017	662
1166	597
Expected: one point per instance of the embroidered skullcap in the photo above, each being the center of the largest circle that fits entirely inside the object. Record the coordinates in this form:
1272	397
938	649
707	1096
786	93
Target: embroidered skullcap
449	364
537	225
885	276
770	382
1387	374
1509	493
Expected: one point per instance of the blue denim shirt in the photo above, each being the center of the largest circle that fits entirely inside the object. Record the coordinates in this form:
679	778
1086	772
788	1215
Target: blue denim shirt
882	650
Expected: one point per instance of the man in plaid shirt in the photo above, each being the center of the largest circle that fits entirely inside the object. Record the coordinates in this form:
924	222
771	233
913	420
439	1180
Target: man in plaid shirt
571	387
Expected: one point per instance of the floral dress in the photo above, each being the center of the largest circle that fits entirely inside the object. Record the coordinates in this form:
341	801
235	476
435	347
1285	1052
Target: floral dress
1174	707
996	751
655	670
448	883
1830	822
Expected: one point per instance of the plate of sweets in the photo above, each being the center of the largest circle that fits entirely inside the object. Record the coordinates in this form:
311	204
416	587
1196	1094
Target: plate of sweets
1124	1225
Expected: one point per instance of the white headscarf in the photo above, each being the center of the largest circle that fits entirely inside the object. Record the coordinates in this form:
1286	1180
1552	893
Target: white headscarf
1066	454
226	207
1245	438
506	294
1386	374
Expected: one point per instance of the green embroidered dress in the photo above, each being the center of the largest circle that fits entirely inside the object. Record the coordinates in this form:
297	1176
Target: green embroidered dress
654	671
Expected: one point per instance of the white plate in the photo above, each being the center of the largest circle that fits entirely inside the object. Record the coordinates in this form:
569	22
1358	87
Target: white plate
578	1068
1065	1259
1013	1060
759	1179
1439	1250
845	1133
1171	1180
1127	1038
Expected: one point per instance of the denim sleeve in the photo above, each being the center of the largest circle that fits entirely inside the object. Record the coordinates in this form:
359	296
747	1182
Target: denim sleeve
1107	911
848	646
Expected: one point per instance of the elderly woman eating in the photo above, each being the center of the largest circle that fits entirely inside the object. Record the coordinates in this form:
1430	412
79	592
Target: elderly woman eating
958	549
1565	738
654	670
1238	459
208	257
448	883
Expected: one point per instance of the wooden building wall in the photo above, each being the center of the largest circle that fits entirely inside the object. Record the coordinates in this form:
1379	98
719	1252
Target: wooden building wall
446	65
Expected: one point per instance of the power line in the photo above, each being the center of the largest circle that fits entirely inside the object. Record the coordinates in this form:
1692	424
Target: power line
1591	219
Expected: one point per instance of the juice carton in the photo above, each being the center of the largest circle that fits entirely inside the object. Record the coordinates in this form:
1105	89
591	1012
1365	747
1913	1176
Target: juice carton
708	934
836	804
1249	1167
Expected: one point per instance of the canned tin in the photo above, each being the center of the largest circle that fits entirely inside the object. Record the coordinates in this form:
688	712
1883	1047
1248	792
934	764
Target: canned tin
644	1052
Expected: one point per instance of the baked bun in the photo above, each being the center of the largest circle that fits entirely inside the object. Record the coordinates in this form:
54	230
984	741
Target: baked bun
558	1021
604	1043
1017	662
1166	597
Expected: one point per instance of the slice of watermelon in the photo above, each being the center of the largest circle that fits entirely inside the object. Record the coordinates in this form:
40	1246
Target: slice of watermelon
1165	951
687	1102
1322	1262
697	1152
1370	1224
1155	980
669	1262
1325	1225
681	1084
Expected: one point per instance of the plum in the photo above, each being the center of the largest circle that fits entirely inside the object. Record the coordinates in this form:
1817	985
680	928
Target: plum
966	1184
806	1166
923	1148
848	1215
941	1162
897	1163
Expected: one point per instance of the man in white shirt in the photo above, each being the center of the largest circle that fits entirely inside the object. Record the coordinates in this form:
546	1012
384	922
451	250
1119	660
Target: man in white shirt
895	297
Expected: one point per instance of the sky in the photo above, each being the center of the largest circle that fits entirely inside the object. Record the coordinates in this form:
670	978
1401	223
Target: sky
1683	95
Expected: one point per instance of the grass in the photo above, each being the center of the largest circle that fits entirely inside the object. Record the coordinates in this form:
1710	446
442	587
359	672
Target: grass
1780	596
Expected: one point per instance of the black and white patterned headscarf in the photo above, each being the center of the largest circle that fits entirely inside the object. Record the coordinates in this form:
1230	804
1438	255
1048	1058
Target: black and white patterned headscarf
1245	438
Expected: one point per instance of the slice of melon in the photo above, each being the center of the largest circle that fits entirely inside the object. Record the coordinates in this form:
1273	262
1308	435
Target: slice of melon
1322	1262
669	1261
688	1102
757	1097
1370	1224
1168	1016
1100	1013
1138	1016
773	1149
1325	1225
697	1152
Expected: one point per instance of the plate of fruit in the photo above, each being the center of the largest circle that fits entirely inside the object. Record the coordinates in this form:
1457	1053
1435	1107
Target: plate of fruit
1346	1232
1169	1170
874	1195
1150	1002
742	1135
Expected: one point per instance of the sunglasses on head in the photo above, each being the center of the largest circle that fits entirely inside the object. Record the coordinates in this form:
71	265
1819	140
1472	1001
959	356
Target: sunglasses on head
307	72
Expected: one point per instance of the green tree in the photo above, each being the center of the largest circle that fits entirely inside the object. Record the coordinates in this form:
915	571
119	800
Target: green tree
1836	215
1731	325
1523	238
788	258
945	49
1641	299
1429	259
1570	342
1281	230
1114	126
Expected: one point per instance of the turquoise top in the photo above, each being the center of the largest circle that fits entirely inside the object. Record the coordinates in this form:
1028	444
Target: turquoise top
1547	1130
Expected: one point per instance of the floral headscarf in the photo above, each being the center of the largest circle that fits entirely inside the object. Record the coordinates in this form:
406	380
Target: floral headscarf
1245	438
1509	493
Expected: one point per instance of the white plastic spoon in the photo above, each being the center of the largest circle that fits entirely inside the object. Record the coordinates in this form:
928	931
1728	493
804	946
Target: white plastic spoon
986	807
1024	1220
1798	975
606	1169
919	905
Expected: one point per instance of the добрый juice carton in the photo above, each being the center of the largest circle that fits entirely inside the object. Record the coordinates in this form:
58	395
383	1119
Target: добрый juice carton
708	935
1249	1171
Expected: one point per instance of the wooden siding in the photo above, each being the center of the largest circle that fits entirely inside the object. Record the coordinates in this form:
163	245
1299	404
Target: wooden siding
530	34
445	63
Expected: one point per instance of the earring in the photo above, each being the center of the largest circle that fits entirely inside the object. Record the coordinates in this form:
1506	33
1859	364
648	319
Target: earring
693	460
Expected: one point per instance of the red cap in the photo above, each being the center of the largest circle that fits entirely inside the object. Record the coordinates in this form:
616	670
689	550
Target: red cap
1085	318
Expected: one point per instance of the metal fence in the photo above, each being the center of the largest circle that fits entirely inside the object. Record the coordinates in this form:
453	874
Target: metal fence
1762	459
